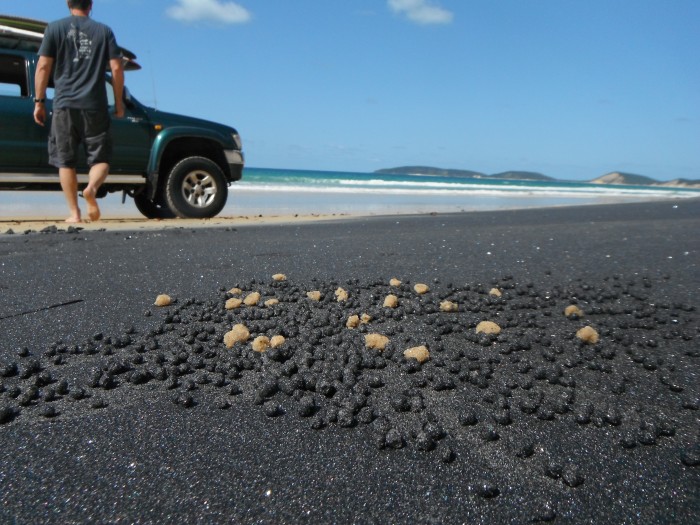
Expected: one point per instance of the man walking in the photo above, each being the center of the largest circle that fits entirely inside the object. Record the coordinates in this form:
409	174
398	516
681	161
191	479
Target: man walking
79	50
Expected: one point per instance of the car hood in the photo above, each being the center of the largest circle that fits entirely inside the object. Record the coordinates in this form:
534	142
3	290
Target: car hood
173	119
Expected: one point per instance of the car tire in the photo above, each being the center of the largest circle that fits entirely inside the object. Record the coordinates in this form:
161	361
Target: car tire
196	188
151	209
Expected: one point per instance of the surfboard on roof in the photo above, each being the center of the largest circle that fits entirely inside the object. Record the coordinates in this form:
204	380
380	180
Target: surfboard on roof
26	34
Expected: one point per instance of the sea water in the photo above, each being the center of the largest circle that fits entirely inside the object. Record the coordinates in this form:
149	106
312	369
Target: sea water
291	192
300	191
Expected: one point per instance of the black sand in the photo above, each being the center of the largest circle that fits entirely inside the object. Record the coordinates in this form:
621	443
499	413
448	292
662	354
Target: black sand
115	411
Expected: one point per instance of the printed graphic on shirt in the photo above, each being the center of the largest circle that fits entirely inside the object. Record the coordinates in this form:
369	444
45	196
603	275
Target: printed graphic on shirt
81	42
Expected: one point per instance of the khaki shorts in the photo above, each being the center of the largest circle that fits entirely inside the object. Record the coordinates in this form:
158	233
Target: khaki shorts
72	127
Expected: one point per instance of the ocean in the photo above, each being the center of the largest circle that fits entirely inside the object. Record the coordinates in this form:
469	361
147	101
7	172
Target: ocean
291	192
298	191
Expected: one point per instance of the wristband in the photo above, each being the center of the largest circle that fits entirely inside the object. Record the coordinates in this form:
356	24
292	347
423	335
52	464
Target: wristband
39	100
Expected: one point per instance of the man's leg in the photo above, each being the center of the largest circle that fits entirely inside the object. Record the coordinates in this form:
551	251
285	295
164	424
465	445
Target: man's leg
69	184
98	174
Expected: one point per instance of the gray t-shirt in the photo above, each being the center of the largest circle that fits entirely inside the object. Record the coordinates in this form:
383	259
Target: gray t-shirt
82	49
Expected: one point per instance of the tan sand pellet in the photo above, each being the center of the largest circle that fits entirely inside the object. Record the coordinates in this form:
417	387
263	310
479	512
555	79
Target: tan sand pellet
261	344
376	341
163	300
421	288
314	296
391	301
233	303
279	277
252	299
394	282
238	334
365	318
419	353
488	327
353	321
495	292
341	295
277	341
573	311
448	306
272	302
235	291
588	335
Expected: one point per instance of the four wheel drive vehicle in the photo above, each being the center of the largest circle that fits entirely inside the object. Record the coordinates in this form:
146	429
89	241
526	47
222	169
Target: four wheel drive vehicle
172	165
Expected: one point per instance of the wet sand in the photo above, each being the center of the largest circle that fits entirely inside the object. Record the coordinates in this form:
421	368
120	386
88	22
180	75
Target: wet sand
114	410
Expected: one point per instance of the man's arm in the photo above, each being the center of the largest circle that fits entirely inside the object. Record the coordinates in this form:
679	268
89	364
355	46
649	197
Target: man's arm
41	83
118	86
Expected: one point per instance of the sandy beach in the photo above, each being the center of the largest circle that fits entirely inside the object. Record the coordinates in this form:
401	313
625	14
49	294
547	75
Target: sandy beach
114	410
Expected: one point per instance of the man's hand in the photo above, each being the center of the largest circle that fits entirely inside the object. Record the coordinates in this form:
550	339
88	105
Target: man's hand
40	114
118	86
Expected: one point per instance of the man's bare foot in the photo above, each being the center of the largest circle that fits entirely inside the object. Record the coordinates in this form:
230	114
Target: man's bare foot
73	220
93	209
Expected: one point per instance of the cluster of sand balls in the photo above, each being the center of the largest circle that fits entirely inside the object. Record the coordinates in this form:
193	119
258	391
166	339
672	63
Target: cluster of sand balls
440	368
484	332
240	334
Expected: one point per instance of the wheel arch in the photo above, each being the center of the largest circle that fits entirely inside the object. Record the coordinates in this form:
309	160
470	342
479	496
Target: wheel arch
175	144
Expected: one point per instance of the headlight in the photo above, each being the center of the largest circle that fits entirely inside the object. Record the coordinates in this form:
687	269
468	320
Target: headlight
237	139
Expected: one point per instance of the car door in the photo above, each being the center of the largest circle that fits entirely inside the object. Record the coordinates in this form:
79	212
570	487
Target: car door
23	143
132	137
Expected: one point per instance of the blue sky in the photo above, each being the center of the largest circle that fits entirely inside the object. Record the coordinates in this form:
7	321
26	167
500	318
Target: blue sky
570	88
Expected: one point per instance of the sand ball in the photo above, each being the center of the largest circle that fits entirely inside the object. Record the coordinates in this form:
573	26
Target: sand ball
314	296
376	341
495	292
353	321
394	282
279	277
233	303
365	318
448	306
391	301
261	343
588	334
421	288
235	291
341	295
419	353
238	334
252	299
277	341
272	302
573	311
163	300
488	327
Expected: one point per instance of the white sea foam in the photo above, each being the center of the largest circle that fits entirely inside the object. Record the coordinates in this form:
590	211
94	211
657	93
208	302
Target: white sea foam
379	187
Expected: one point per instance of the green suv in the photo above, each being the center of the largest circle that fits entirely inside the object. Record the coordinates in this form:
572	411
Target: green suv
172	165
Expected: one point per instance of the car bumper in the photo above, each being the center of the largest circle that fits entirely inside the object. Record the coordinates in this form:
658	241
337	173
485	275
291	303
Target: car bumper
235	161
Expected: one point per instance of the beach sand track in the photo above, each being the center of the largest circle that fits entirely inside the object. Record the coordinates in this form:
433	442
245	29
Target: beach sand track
537	458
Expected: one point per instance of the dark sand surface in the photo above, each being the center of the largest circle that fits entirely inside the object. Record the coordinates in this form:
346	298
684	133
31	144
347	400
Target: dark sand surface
115	411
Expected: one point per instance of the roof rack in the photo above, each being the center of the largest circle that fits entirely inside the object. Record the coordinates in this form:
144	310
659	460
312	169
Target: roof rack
26	34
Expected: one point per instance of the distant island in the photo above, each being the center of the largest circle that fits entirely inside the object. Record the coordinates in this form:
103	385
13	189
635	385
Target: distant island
615	177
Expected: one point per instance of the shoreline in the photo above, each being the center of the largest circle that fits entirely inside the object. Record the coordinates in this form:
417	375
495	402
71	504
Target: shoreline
272	213
19	210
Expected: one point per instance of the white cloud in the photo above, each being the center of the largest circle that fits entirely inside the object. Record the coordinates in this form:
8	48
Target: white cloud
210	10
421	11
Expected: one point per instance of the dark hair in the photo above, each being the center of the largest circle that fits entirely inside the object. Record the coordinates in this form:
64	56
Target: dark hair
80	4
